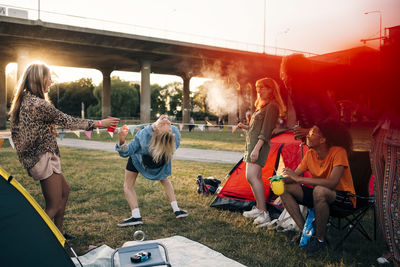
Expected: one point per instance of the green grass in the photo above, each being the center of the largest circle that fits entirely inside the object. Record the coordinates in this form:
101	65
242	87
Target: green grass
97	204
224	140
213	139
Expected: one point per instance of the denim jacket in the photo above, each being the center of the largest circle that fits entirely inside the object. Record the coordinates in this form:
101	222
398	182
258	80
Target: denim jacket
139	146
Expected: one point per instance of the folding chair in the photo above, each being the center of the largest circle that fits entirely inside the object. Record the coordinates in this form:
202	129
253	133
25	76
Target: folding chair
360	168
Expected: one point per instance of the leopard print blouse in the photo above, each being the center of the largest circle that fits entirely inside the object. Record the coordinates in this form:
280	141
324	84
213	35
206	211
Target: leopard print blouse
34	134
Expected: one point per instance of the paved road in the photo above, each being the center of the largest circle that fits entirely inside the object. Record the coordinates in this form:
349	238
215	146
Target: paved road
180	154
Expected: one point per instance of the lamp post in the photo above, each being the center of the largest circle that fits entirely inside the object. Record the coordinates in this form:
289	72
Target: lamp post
380	24
265	23
38	12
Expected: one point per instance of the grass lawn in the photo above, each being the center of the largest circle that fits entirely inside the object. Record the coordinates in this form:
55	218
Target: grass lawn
213	139
226	140
97	204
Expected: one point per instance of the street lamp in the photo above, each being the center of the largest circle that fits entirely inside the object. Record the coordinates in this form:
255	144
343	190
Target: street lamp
265	22
380	24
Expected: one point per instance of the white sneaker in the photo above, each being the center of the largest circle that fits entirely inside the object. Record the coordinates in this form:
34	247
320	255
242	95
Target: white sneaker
383	260
262	218
254	212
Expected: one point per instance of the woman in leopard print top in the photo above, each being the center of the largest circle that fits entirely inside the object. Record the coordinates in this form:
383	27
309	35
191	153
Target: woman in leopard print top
33	119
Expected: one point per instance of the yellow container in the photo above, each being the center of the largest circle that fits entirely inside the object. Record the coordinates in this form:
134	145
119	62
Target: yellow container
277	185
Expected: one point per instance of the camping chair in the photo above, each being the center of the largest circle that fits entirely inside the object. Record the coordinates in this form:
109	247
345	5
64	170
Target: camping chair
361	172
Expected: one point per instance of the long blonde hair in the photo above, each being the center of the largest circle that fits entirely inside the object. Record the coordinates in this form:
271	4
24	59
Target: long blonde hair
271	83
32	81
162	146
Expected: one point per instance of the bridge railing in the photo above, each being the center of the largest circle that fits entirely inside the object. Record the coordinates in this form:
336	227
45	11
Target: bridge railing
36	13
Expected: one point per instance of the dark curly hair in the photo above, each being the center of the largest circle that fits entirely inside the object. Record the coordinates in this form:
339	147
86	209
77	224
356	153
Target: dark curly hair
336	134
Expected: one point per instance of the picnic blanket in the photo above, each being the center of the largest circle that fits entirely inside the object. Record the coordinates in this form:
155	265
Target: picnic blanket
181	251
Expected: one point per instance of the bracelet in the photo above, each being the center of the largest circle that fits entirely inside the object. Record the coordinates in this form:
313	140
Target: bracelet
99	124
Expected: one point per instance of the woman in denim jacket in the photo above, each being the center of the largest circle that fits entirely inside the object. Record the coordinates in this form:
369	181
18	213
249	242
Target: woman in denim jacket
150	153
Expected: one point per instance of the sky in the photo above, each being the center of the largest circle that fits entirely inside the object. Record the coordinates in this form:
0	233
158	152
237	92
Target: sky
314	26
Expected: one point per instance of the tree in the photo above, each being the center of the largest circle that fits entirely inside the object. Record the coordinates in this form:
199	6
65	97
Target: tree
125	100
68	96
200	99
174	93
158	104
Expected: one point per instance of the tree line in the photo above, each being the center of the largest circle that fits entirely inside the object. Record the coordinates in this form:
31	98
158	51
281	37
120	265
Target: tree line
125	98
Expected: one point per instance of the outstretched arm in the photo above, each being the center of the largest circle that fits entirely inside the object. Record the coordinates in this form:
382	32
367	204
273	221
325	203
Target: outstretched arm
329	182
242	126
48	113
125	150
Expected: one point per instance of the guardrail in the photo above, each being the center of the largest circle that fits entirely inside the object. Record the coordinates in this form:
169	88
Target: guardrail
107	25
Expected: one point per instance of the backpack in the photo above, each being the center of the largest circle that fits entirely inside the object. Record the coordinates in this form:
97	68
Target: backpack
207	185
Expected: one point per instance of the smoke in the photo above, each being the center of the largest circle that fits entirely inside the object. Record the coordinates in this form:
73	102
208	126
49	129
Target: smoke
223	91
221	98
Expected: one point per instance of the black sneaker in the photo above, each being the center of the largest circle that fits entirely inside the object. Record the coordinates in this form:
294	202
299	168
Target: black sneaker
181	214
131	221
68	237
314	245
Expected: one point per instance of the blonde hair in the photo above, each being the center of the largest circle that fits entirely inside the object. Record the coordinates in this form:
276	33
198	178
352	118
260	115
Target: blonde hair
162	146
271	83
32	81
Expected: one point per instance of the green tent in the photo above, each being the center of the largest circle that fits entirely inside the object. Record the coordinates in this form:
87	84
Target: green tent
27	235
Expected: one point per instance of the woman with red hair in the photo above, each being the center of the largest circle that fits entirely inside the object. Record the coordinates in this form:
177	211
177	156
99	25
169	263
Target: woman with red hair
269	106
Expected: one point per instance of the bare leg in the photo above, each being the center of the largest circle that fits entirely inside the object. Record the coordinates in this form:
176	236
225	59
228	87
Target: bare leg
129	191
253	175
290	198
169	189
322	196
55	191
59	217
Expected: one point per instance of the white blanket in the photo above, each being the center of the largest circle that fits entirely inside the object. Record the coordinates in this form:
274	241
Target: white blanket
181	251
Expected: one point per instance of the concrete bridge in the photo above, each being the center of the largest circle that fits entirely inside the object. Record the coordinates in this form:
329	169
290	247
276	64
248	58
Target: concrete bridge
23	40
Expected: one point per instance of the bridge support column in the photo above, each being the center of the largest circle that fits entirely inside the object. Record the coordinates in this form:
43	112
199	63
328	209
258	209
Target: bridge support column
186	99
145	92
106	94
22	61
3	96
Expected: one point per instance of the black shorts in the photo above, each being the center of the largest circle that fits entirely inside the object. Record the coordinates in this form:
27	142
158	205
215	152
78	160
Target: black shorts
342	199
130	166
